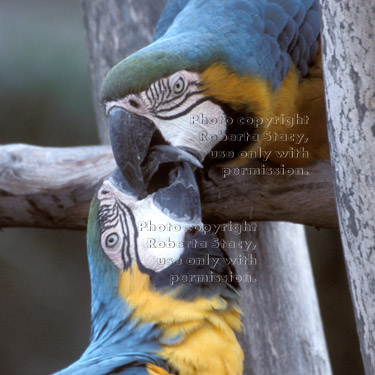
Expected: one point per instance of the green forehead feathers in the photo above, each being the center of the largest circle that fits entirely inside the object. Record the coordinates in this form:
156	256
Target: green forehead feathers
160	59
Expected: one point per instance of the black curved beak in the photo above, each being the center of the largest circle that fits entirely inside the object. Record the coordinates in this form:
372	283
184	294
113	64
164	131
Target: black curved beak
180	200
143	157
130	137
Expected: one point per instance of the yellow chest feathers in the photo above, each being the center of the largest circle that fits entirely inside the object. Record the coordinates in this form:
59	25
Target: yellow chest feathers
207	344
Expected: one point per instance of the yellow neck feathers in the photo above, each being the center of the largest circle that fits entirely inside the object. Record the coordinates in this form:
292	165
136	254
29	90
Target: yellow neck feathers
207	344
250	94
253	95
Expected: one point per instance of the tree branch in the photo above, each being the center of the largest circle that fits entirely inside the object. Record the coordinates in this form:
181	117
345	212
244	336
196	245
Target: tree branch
52	188
348	64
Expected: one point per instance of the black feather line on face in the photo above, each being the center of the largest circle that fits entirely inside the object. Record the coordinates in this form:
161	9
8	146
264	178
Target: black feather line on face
152	93
184	92
109	216
187	110
125	233
186	97
160	93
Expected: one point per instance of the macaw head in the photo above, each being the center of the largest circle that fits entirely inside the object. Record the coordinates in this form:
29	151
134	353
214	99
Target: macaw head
212	65
156	235
150	289
154	114
159	97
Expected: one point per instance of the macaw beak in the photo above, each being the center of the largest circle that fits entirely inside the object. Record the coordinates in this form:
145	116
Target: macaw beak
143	157
180	200
130	137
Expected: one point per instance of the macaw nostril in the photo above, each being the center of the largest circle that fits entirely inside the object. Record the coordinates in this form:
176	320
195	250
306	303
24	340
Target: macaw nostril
134	103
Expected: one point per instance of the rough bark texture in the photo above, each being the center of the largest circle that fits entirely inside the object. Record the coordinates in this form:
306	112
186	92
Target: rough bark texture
282	330
349	69
114	31
123	13
52	188
298	199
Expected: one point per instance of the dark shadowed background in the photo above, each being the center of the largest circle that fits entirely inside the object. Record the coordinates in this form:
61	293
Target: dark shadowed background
45	294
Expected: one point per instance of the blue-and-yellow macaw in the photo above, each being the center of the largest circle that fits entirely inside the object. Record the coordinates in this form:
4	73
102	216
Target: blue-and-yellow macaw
164	299
213	64
216	68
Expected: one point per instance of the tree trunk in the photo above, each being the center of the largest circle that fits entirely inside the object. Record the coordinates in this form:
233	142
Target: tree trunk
114	30
349	71
287	339
282	329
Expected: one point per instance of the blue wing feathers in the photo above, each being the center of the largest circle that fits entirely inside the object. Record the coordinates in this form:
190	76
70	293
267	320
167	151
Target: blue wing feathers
276	14
253	37
125	364
300	15
258	38
291	7
119	344
288	34
169	14
307	34
270	28
295	54
313	20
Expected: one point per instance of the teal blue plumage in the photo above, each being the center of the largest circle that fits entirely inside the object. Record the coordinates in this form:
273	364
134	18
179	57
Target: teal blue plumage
118	343
254	38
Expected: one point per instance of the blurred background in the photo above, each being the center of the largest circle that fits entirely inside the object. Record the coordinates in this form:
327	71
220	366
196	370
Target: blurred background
45	100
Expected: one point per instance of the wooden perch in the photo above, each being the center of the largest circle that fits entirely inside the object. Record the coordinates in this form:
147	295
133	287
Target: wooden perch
52	188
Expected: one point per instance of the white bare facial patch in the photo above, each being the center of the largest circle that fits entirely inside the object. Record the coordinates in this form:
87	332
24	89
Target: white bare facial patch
173	103
137	231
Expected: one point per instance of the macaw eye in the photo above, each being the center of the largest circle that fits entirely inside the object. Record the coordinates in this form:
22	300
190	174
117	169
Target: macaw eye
179	86
111	240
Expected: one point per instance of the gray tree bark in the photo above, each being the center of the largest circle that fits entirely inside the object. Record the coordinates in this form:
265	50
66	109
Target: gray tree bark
291	333
52	187
49	187
113	32
282	329
349	70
